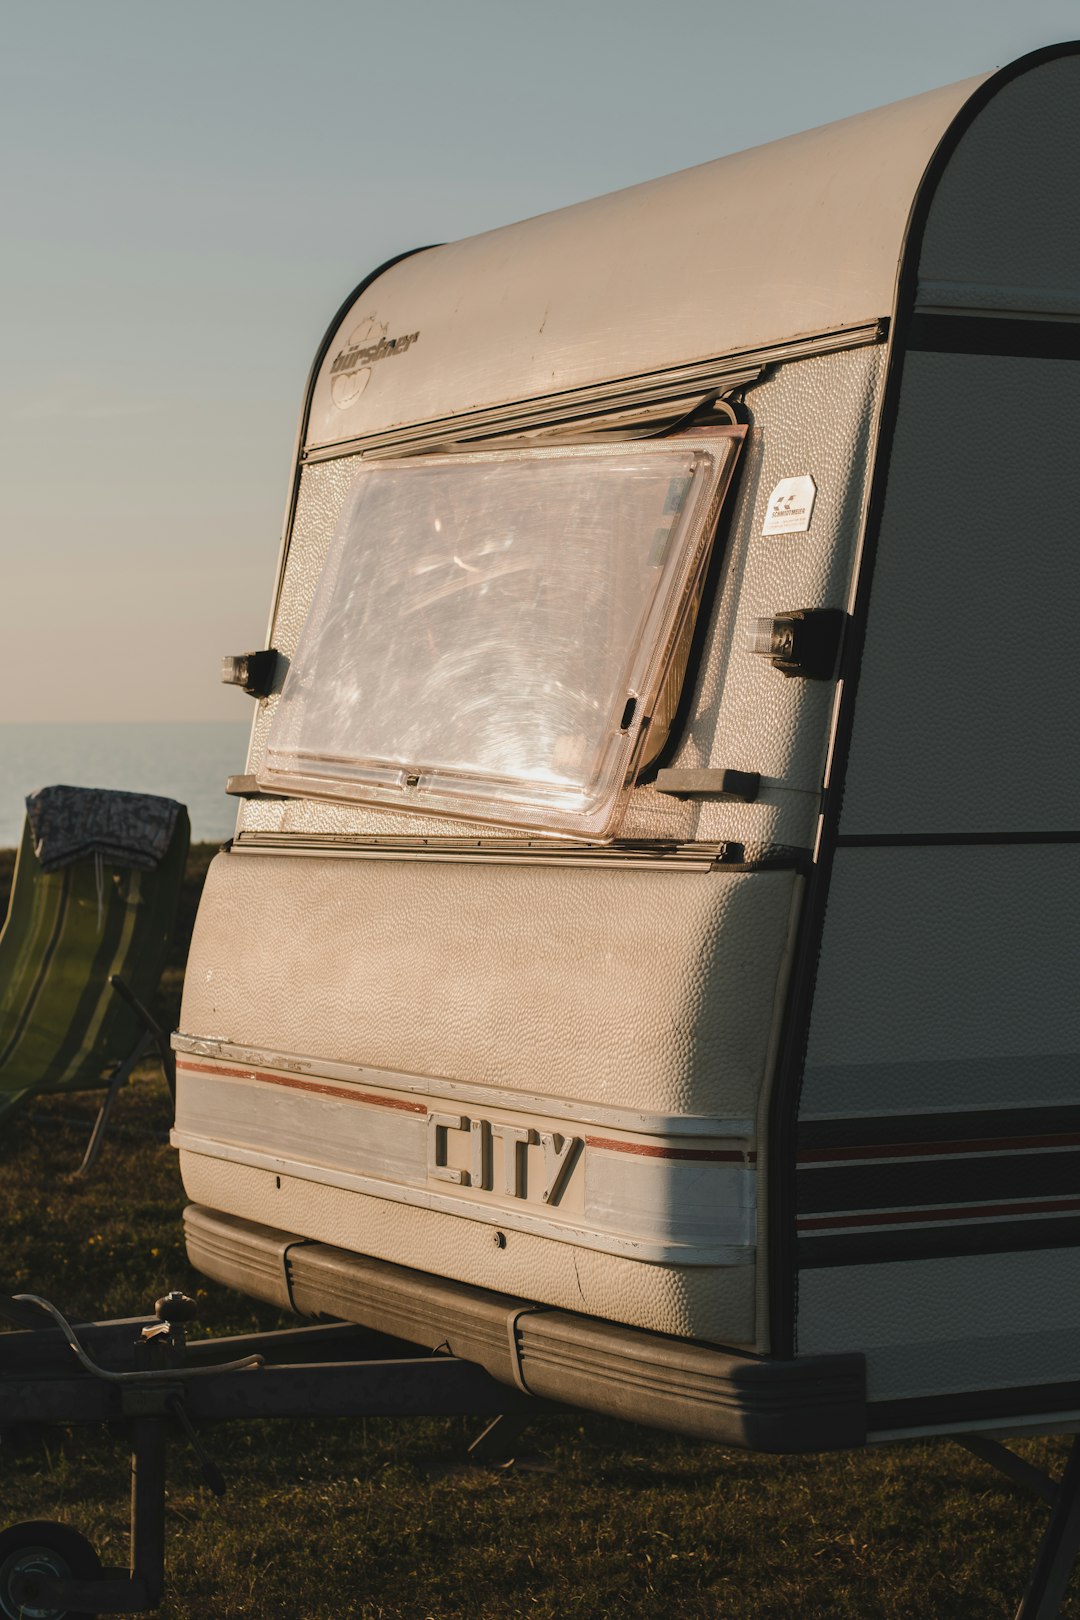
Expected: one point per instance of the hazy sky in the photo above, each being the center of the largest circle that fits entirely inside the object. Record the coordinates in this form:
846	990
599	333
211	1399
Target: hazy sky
191	189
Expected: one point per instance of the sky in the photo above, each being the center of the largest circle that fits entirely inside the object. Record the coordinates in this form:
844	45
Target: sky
191	190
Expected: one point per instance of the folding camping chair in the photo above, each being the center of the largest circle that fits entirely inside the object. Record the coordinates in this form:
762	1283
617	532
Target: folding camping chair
93	901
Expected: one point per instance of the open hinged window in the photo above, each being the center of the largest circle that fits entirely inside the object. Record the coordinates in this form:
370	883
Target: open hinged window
491	632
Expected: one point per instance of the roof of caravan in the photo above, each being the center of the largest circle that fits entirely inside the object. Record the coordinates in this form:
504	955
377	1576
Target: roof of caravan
799	237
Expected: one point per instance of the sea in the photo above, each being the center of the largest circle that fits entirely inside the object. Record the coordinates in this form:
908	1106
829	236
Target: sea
182	760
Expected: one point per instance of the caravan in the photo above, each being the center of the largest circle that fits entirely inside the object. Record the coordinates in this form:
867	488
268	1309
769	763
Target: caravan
646	960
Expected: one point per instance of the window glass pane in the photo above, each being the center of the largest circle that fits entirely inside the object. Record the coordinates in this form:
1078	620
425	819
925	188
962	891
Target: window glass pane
490	630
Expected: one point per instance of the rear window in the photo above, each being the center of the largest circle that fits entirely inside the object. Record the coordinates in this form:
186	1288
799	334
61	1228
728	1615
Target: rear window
491	631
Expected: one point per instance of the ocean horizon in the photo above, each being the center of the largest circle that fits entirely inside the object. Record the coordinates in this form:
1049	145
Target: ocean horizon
185	760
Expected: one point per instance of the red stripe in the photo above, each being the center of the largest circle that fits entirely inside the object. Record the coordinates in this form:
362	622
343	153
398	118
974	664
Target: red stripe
912	1150
953	1212
293	1083
647	1151
643	1149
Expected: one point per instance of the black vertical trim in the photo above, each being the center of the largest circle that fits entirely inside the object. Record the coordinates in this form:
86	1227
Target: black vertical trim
784	1110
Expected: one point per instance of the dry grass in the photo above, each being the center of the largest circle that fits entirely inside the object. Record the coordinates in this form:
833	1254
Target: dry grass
387	1521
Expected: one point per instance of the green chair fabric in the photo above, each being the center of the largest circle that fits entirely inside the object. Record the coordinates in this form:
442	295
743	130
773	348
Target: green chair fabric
62	1025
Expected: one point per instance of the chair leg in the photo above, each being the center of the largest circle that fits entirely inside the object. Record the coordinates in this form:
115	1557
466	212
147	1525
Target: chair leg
168	1064
1057	1554
101	1124
161	1039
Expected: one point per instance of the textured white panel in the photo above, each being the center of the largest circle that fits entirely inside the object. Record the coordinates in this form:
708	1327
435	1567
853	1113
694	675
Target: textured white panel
947	980
813	416
930	1327
1003	214
702	1303
965	715
650	989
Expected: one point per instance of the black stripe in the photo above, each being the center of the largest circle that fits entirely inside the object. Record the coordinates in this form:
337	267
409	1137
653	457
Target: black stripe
899	840
917	1411
939	1242
934	1183
1018	338
980	1125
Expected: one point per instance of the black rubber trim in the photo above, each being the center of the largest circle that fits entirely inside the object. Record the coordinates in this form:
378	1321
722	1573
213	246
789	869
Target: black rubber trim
957	840
926	1410
995	335
982	1125
782	1134
932	1183
886	1246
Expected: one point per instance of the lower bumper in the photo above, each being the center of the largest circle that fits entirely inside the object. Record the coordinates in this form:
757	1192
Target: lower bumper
813	1403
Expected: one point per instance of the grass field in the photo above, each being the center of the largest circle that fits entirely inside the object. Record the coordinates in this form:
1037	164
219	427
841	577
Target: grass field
388	1521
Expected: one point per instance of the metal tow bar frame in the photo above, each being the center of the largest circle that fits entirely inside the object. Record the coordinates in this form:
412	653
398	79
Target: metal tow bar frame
143	1370
1056	1558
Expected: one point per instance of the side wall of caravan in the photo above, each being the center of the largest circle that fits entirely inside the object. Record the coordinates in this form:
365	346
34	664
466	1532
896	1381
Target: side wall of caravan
938	1175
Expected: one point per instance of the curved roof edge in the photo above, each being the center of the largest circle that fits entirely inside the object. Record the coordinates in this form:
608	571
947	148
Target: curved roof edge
801	236
987	229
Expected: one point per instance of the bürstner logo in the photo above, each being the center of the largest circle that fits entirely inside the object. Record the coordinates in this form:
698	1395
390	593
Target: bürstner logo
350	372
791	506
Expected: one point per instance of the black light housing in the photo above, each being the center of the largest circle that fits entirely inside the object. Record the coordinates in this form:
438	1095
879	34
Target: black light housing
804	641
254	671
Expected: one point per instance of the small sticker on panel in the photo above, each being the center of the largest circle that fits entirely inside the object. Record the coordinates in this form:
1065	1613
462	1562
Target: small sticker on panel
791	506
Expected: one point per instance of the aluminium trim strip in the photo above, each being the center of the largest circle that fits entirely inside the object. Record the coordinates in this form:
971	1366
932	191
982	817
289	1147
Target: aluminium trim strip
633	421
573	406
439	1090
669	1254
498	430
705	858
